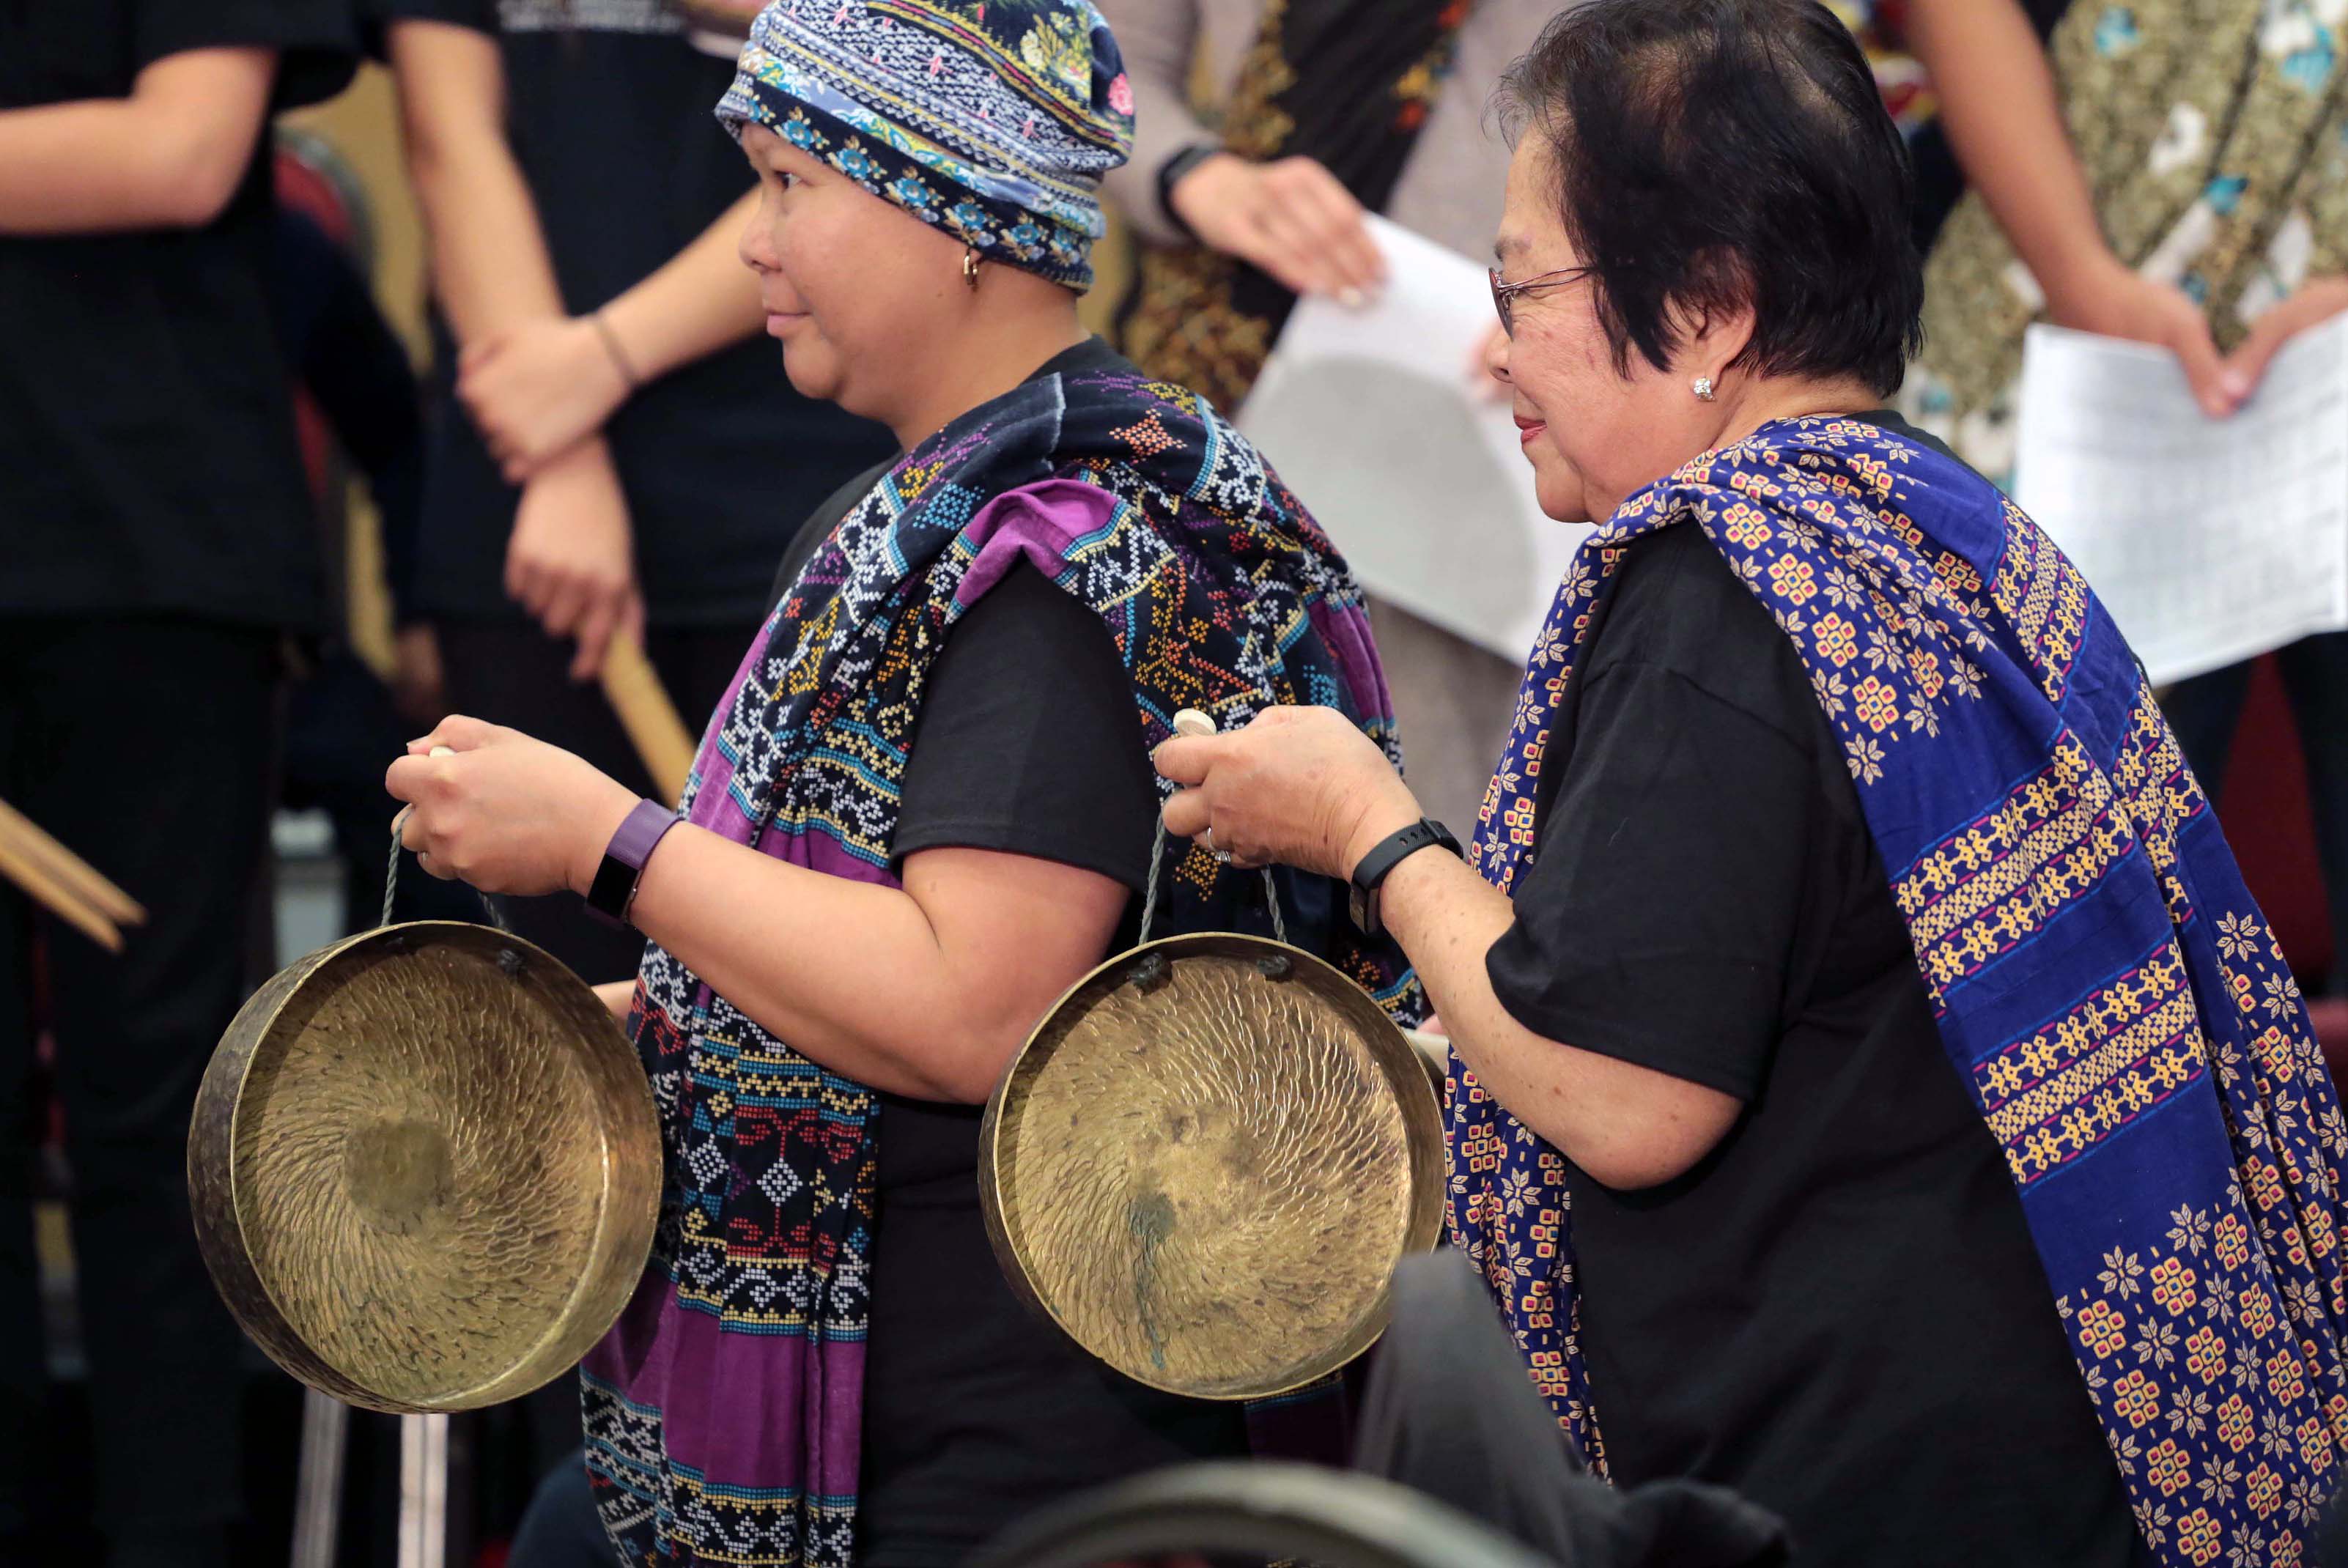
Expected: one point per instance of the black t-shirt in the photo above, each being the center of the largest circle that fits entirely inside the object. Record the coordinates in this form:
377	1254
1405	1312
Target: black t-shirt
609	115
1839	1312
148	462
976	1410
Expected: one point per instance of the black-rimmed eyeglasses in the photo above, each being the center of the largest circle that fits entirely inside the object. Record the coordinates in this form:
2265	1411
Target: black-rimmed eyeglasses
1504	295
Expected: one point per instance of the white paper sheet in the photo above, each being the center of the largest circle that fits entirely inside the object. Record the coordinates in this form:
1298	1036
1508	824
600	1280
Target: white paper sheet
1370	416
2209	540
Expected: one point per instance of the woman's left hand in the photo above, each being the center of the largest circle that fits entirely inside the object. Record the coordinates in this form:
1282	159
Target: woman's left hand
1300	786
507	814
536	389
2316	301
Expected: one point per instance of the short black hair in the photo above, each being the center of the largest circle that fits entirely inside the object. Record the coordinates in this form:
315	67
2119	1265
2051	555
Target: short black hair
1717	153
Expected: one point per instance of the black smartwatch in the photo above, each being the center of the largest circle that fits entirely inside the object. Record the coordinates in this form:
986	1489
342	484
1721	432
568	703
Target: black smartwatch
1390	852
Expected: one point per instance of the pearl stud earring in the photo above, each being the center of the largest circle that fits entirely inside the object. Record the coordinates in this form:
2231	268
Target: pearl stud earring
1703	388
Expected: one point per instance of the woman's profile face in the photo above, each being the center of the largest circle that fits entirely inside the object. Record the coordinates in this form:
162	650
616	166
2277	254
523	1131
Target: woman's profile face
854	287
1595	435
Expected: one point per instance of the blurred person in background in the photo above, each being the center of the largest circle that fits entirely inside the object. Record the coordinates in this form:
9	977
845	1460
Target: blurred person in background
156	551
2173	172
620	453
1327	109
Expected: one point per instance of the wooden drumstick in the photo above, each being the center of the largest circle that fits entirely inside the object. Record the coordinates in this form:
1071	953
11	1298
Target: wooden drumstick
53	894
68	869
633	689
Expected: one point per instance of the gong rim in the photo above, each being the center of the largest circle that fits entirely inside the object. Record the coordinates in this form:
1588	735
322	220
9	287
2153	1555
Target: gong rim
627	1128
1398	1064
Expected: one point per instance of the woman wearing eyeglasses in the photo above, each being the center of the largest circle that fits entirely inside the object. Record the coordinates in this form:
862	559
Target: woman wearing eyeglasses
922	812
1873	1088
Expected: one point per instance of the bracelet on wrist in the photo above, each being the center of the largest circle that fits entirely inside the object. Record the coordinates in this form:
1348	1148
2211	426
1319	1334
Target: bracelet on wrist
618	355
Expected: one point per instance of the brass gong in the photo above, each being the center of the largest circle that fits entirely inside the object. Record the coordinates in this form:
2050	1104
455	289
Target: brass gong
1206	1163
426	1167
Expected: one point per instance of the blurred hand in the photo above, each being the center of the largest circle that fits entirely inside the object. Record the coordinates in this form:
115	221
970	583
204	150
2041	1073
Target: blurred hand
1291	218
1299	786
417	686
570	562
507	814
2317	302
2116	302
538	389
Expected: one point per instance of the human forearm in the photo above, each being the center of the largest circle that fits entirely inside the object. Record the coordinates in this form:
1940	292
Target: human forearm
489	260
490	268
701	300
2004	119
538	388
1627	1126
100	165
924	999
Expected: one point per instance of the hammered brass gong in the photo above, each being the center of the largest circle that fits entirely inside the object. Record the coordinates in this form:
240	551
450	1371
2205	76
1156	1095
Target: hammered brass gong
1206	1163
426	1167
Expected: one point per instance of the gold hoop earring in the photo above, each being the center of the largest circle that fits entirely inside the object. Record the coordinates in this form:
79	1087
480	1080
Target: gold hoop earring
971	263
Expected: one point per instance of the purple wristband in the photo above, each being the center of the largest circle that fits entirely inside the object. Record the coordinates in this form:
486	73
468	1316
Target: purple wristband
614	888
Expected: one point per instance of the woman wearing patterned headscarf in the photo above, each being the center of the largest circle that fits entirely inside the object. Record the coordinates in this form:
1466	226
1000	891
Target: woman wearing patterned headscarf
1873	1087
923	811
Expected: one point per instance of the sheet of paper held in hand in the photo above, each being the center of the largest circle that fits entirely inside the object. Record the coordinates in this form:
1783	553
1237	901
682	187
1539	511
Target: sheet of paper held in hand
2209	540
1371	417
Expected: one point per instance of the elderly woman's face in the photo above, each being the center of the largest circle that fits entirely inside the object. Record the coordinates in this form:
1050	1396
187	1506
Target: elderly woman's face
1595	435
854	287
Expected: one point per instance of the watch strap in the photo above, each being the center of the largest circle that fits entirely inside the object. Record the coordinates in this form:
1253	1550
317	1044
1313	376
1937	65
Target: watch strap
1383	857
614	888
1171	174
1395	847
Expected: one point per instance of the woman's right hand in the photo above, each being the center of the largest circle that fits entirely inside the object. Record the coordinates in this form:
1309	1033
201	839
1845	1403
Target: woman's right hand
2112	300
1291	217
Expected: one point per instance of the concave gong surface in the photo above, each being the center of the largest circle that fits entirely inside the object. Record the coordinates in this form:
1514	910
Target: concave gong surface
420	1179
1209	1182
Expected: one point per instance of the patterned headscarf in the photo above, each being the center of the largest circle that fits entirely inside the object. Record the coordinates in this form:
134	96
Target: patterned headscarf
993	119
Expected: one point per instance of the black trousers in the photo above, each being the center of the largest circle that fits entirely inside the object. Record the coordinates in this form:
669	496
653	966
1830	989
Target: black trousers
2205	712
146	745
516	675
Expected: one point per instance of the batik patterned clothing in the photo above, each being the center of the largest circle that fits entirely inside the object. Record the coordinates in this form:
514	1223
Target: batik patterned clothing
2102	981
723	1412
2214	137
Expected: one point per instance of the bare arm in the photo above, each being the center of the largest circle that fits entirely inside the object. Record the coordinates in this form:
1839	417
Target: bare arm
701	300
2005	118
538	387
1627	1126
168	156
925	992
1303	786
490	268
